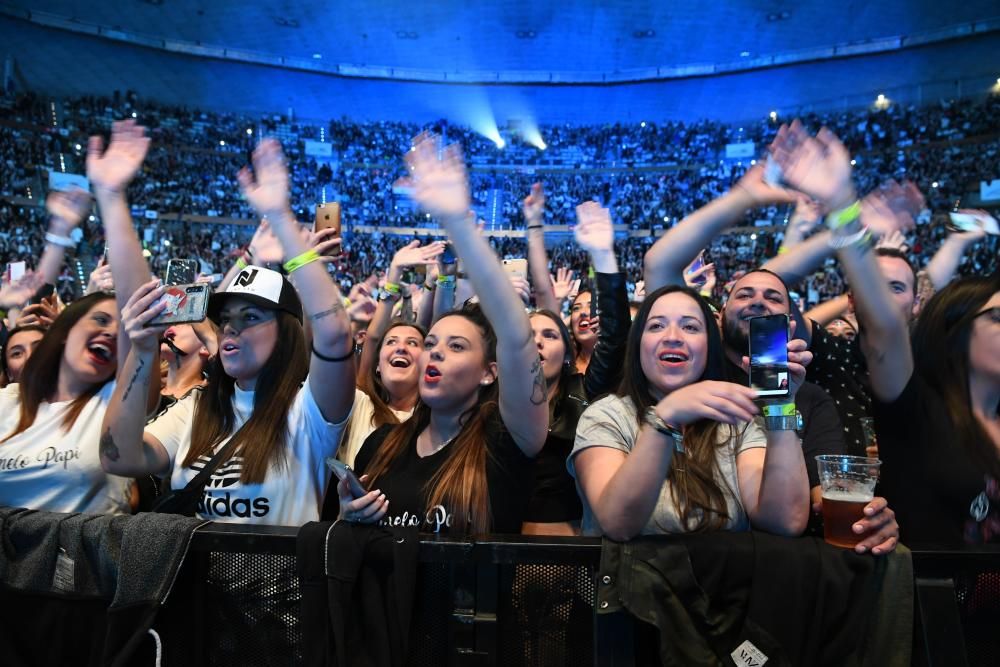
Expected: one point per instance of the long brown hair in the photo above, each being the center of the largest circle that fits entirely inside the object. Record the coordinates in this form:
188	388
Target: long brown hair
567	368
941	356
460	482
695	490
262	440
371	381
40	375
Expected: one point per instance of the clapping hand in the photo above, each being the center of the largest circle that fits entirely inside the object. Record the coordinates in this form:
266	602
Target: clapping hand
268	192
438	179
16	293
534	205
893	207
819	166
68	209
594	231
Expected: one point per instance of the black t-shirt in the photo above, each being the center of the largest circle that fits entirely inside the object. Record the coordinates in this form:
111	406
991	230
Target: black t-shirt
508	475
940	495
839	367
554	498
821	432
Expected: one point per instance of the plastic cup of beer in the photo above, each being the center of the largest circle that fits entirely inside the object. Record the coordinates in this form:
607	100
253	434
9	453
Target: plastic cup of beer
848	484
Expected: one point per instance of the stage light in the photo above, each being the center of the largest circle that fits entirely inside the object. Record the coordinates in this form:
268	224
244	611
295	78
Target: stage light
934	184
642	124
135	115
853	162
166	243
318	56
753	237
221	142
774	115
249	130
500	142
753	162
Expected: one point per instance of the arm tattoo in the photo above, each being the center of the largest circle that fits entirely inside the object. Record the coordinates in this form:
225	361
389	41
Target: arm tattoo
135	376
337	307
109	449
538	389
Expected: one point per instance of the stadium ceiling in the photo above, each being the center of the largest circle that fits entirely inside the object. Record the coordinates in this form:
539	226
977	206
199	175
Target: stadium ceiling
502	41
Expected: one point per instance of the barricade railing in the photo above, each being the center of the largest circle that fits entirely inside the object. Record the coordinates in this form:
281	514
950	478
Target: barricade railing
528	600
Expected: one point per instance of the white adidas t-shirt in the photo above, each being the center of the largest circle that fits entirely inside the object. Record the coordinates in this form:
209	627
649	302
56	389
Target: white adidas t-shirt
359	426
289	496
47	468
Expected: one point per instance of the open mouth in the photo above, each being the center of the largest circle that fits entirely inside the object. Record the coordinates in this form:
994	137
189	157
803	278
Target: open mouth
432	375
229	347
671	358
101	353
583	324
400	362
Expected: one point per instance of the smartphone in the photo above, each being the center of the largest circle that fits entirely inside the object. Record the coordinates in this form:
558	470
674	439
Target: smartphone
181	271
516	267
697	264
185	304
343	471
16	270
973	222
769	355
448	256
415	275
328	217
44	292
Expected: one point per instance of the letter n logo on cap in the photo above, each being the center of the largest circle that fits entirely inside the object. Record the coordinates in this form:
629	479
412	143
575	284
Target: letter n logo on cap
246	277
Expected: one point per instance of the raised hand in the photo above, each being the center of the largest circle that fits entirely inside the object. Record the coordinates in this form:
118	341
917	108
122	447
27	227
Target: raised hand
113	169
891	208
594	231
362	308
42	314
141	308
819	166
894	240
16	293
265	248
68	208
761	192
806	216
369	508
522	288
100	278
562	283
325	242
724	402
534	205
268	193
413	254
440	185
640	291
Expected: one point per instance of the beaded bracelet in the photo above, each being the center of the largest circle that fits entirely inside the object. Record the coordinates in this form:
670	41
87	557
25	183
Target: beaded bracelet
296	263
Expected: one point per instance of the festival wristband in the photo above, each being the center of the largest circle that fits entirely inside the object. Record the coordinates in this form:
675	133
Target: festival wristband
62	241
241	263
393	288
779	410
296	263
447	282
862	237
844	216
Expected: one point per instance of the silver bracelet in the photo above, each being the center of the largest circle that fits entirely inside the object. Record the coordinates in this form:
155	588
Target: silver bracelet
55	239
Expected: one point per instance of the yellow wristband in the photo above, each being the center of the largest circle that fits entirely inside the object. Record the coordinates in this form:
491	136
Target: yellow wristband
782	410
844	216
241	263
393	288
296	263
784	250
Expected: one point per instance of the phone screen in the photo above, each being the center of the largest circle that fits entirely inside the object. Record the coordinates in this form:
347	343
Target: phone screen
769	355
697	264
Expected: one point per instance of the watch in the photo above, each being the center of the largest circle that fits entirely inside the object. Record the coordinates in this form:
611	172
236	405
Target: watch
783	417
652	419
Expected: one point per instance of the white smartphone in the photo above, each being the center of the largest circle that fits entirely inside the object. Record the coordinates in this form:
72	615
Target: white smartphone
973	222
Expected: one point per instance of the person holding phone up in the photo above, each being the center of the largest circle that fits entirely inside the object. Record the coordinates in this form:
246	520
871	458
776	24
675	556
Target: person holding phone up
276	402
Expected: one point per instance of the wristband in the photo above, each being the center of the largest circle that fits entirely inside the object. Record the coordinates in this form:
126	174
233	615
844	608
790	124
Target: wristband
448	282
393	288
296	263
241	263
779	410
430	287
844	216
63	241
784	250
863	237
535	227
347	302
660	426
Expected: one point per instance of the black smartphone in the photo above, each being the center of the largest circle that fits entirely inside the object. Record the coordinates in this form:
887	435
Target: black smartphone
415	275
185	304
769	355
448	256
44	292
343	471
181	271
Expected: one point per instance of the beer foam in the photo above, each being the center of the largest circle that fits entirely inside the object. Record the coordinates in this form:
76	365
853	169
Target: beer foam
848	495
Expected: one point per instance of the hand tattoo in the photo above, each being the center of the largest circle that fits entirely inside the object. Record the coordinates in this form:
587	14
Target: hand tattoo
135	376
109	449
538	389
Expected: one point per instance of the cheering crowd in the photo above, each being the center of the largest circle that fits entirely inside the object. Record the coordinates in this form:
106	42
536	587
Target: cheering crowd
509	387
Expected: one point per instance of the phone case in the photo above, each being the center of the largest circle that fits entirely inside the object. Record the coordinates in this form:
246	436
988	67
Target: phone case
185	304
181	272
342	471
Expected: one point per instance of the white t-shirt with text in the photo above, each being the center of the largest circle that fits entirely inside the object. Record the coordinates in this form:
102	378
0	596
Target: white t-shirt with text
289	496
49	468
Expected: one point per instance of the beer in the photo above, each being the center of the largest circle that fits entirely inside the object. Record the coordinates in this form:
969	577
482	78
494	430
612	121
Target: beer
841	510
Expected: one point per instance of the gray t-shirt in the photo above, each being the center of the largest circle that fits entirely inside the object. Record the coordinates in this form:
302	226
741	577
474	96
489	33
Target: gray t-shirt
611	422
